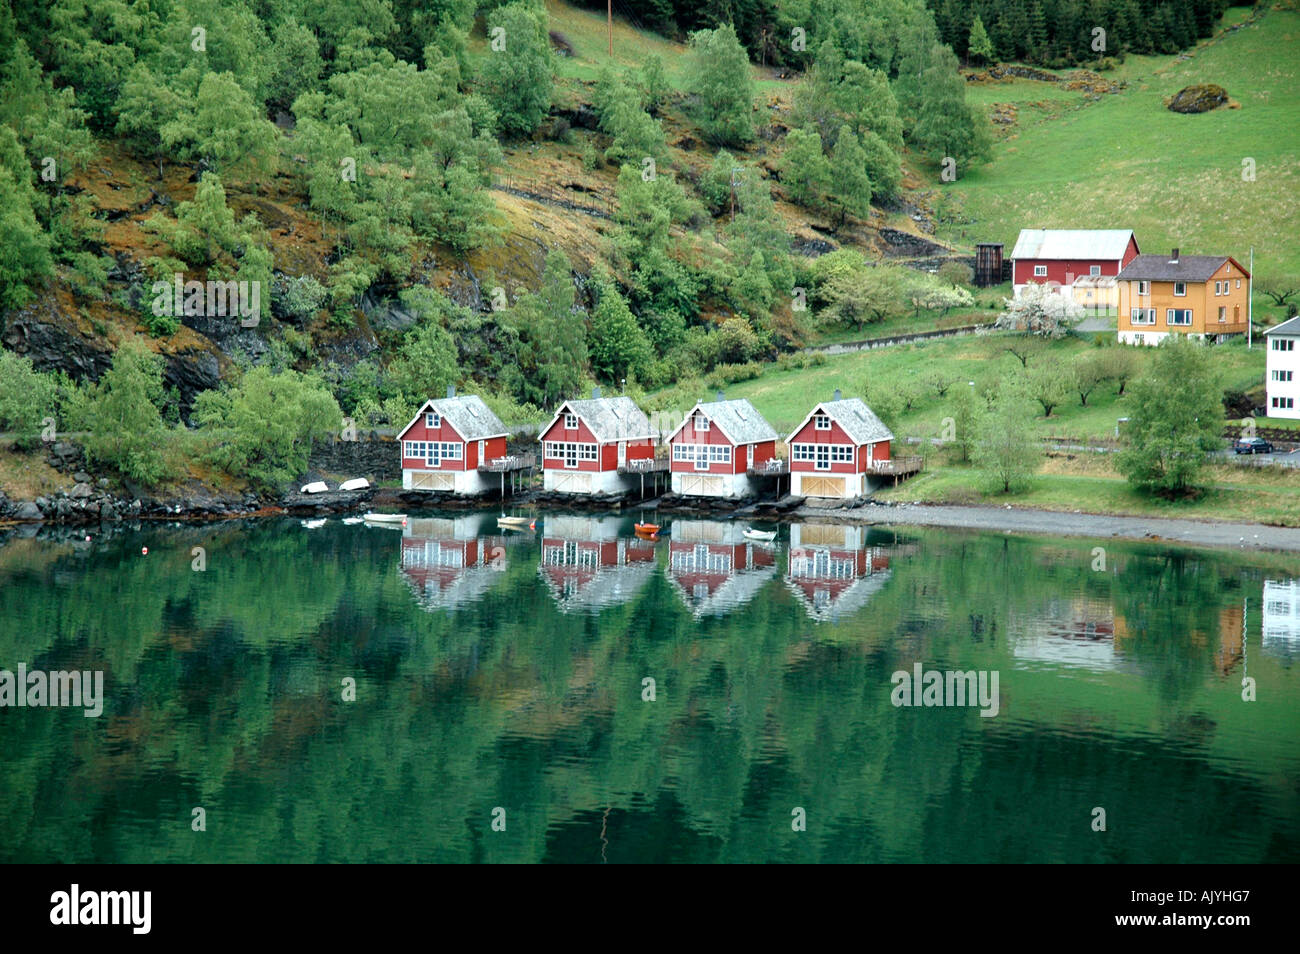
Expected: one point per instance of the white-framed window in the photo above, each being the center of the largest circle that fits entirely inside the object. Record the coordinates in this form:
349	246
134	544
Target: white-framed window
570	422
1280	375
841	453
432	420
823	422
432	452
801	452
1094	270
1178	316
701	423
1142	316
1180	289
1144	288
569	452
1223	313
702	454
1238	282
1040	271
1284	403
1283	344
823	460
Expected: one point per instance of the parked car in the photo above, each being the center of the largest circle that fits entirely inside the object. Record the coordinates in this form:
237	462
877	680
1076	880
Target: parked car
1252	445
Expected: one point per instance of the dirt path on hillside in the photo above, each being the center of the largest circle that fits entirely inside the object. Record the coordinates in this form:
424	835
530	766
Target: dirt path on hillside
1246	536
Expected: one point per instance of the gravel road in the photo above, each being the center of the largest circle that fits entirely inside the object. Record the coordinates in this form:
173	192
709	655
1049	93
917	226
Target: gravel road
1248	536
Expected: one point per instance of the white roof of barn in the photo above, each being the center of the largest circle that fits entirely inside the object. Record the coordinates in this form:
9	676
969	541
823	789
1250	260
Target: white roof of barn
1072	243
470	417
608	419
854	417
737	419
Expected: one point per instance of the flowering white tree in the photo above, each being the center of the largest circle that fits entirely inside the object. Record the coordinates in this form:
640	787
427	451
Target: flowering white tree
1040	310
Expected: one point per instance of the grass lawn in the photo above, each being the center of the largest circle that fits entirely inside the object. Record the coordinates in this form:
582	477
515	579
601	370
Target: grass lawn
1126	161
1090	484
785	396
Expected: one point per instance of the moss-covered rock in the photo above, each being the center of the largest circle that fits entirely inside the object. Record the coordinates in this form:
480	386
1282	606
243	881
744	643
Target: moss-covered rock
1200	98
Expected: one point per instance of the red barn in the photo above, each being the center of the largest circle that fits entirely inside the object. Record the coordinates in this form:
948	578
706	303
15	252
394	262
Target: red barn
587	566
716	446
714	568
1059	256
836	448
587	442
446	442
831	571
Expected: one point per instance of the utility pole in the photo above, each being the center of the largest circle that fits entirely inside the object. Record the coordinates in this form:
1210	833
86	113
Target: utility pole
609	19
1250	303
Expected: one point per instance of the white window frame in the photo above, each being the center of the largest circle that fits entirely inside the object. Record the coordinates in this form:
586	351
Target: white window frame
841	453
1040	271
823	458
1142	316
1223	314
1094	271
432	419
700	424
822	422
1183	286
570	422
1184	319
1144	288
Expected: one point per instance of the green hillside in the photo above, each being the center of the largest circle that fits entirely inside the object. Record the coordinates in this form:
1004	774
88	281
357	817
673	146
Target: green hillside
1125	161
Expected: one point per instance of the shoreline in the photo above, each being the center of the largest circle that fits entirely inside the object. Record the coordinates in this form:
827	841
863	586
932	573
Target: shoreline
1233	535
990	519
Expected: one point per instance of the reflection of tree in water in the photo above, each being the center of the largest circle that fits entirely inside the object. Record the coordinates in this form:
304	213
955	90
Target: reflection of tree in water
224	691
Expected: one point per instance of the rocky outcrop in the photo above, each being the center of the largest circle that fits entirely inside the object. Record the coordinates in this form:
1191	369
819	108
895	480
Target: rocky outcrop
54	342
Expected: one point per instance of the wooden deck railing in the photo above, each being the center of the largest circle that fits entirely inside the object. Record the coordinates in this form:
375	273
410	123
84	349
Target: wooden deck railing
898	466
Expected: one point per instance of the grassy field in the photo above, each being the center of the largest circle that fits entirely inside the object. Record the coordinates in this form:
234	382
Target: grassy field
1089	484
1125	161
785	396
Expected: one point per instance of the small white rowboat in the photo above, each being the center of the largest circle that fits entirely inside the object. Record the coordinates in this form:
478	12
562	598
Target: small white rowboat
392	518
760	536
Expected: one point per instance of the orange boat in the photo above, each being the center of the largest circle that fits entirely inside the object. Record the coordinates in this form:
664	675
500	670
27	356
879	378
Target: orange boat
647	529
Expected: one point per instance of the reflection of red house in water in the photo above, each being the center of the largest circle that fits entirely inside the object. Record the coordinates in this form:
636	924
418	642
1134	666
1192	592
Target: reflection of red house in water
831	570
446	562
587	566
714	568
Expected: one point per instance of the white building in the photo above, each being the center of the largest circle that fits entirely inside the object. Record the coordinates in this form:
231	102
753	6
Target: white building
1282	369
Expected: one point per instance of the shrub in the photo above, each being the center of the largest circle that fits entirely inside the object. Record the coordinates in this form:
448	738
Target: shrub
298	298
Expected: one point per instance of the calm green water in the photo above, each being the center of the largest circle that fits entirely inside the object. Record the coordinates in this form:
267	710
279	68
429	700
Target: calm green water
506	672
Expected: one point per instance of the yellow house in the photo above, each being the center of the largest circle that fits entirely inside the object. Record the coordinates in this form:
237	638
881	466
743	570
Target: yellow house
1197	295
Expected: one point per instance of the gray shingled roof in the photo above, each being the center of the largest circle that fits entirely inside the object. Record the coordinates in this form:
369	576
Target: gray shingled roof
1072	243
469	415
1289	327
857	420
609	419
1158	268
738	420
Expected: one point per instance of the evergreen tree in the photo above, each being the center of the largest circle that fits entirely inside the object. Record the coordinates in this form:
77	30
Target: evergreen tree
980	47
